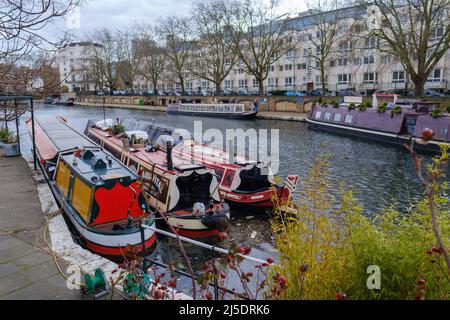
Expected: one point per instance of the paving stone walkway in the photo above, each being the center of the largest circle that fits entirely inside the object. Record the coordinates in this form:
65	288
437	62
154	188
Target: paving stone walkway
27	269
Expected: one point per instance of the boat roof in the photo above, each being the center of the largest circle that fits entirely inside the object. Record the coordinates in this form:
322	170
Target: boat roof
158	158
54	135
96	167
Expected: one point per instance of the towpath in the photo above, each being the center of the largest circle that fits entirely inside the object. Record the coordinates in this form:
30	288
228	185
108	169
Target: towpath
27	269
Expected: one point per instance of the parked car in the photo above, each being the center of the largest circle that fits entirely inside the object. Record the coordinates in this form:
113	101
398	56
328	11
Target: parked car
320	93
346	93
295	94
242	92
428	93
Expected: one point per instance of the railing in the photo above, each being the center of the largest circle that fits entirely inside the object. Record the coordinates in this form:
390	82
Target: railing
214	250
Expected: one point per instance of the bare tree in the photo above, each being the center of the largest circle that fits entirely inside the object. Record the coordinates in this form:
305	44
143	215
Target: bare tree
327	26
261	36
104	60
177	33
415	31
129	55
218	55
22	22
153	58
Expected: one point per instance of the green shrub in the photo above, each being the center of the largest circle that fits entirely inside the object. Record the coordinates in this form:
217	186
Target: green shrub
382	108
4	135
119	129
352	106
448	109
396	111
436	113
7	136
327	245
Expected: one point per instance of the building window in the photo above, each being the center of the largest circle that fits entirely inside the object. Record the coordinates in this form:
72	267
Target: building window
437	33
332	63
289	81
242	83
398	76
369	59
288	67
301	66
370	77
357	61
272	68
370	43
228	84
290	54
344	78
281	68
228	62
255	83
273	82
342	62
435	75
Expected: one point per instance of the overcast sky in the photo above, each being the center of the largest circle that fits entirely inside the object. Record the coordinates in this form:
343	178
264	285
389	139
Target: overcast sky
121	13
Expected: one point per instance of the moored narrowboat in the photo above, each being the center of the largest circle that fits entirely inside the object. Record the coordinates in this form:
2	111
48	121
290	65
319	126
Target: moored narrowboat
220	110
246	185
101	199
399	126
185	193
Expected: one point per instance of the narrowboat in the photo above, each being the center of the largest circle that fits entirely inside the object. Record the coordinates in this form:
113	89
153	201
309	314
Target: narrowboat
246	185
68	102
395	127
185	193
101	199
220	110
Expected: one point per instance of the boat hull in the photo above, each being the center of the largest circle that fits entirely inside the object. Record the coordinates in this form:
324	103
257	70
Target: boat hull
371	135
107	245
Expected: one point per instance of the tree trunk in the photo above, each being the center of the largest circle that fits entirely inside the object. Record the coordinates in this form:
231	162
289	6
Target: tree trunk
261	87
217	89
419	83
322	76
155	87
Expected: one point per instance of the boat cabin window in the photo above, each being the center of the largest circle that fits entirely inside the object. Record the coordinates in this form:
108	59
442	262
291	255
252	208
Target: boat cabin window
239	109
318	115
63	178
81	198
348	119
337	117
445	131
327	116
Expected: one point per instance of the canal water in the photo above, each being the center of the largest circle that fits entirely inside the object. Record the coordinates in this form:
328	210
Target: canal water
380	175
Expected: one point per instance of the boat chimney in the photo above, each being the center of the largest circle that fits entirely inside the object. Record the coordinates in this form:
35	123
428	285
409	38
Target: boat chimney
169	156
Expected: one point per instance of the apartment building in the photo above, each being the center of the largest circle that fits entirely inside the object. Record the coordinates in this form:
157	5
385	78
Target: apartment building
74	63
356	63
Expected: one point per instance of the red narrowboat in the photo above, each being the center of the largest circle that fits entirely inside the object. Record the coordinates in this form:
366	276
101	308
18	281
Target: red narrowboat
101	199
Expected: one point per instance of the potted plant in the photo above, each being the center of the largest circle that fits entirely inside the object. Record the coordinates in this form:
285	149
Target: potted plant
382	108
10	143
436	113
4	136
396	111
352	106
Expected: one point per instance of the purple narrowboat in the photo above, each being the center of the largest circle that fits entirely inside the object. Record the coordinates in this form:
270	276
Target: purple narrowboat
398	128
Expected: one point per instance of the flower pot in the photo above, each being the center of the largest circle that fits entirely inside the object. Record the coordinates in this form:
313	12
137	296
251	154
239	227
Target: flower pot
12	150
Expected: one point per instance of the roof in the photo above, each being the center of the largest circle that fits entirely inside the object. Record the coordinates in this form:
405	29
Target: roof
54	135
97	167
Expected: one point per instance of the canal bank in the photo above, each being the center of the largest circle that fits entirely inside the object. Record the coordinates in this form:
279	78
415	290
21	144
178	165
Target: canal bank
267	115
27	267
